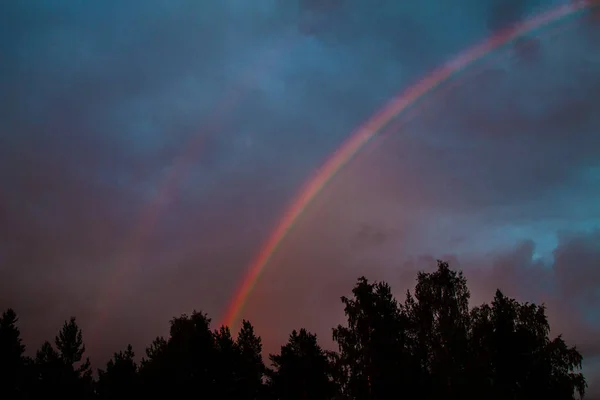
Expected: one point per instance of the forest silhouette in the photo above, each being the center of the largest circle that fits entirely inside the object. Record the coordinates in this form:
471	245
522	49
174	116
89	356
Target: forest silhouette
430	346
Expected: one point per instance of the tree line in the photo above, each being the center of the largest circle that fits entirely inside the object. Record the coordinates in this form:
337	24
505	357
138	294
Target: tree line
430	346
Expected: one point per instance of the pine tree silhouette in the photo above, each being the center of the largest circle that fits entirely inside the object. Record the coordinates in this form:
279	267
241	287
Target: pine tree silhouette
432	346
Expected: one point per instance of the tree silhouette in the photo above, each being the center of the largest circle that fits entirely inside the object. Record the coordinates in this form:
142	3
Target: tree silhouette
154	369
432	346
227	364
440	313
374	345
120	379
183	365
516	357
302	370
252	367
63	371
49	373
12	360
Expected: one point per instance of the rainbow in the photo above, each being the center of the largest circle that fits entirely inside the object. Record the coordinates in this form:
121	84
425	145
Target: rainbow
127	263
360	137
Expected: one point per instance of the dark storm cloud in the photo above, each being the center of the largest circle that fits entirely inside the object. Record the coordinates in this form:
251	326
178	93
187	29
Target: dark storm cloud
101	100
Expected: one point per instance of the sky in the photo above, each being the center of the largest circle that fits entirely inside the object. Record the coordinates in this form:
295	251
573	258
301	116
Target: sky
146	154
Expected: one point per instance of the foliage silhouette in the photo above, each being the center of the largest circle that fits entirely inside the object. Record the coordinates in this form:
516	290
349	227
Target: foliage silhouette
62	371
120	379
373	345
12	360
431	346
302	370
252	369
